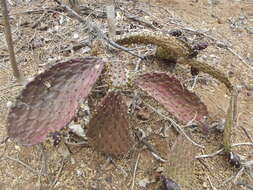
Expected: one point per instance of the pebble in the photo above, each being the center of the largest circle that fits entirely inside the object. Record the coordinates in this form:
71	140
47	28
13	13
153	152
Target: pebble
77	129
9	104
144	182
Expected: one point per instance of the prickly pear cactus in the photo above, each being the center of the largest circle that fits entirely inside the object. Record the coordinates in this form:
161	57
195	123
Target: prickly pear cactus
108	130
50	101
170	93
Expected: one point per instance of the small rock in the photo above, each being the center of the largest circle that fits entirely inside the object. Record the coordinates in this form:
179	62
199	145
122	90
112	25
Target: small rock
79	173
144	182
213	56
221	44
81	113
213	2
9	104
77	129
204	185
249	30
75	36
219	125
72	160
17	147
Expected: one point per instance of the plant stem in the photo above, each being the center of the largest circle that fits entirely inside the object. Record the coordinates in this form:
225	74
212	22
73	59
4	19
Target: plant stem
230	121
9	41
110	12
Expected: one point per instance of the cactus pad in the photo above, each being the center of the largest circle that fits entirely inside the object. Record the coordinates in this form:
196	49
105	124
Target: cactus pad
181	162
118	74
108	130
169	92
51	100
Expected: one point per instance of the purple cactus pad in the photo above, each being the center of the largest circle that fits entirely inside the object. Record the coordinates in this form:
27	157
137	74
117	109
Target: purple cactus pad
50	101
170	93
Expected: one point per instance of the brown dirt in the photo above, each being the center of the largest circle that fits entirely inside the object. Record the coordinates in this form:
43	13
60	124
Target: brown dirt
229	21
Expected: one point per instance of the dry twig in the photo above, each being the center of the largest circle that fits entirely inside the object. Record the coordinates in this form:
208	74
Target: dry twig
221	150
36	23
94	30
4	140
245	185
118	167
9	41
234	178
134	174
58	174
177	126
153	151
25	165
211	184
239	173
247	134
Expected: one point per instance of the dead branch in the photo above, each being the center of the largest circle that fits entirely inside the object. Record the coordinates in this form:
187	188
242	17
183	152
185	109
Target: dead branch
36	23
94	30
177	126
221	150
247	134
210	155
135	168
25	165
110	12
8	36
58	174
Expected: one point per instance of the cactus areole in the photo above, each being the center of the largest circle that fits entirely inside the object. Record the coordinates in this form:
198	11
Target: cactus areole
50	101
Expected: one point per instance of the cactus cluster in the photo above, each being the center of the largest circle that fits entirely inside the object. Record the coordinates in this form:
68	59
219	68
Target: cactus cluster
50	101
